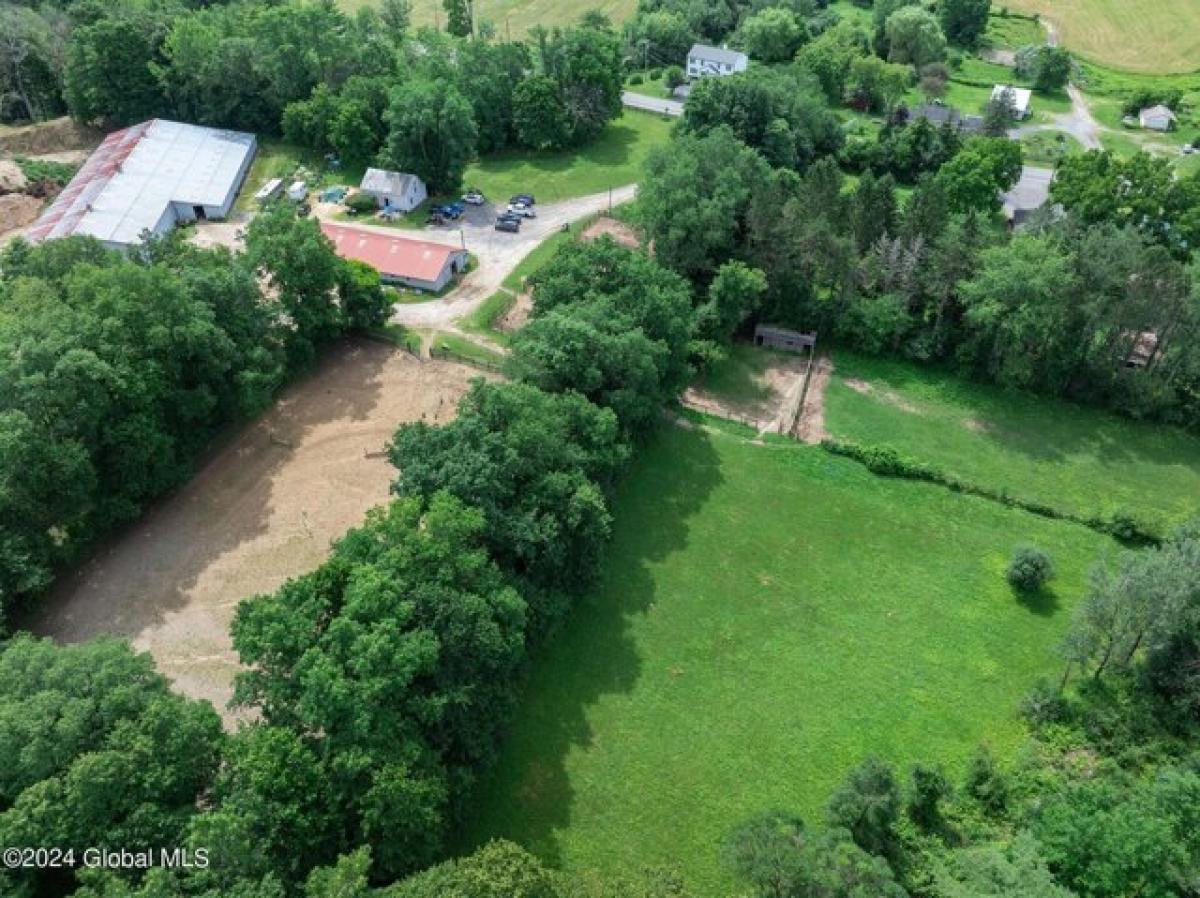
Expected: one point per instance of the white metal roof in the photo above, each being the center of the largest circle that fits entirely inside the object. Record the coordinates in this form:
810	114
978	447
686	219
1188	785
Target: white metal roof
380	180
716	54
1022	96
131	180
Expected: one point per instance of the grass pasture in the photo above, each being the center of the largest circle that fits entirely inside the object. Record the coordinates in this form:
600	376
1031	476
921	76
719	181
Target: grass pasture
769	614
1152	36
1071	457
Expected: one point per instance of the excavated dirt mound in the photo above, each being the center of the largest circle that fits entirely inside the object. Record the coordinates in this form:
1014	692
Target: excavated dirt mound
12	179
619	231
55	136
17	211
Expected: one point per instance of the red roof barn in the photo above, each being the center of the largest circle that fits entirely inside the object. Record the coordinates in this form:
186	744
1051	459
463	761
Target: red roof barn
399	260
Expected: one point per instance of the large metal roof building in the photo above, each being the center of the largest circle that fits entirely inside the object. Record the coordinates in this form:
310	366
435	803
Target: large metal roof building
149	177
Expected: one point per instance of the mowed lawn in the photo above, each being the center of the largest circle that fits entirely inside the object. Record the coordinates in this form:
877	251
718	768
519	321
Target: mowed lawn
518	15
1068	456
614	159
1156	36
768	616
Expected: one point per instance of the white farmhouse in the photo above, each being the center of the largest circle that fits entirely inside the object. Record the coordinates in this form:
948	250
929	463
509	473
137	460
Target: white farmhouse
149	178
1022	99
703	61
393	190
1157	118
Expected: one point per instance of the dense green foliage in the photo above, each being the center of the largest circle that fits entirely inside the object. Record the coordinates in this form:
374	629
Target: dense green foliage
98	753
118	371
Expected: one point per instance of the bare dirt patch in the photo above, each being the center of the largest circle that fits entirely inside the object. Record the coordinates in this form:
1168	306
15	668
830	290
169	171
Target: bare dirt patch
777	380
810	427
264	508
882	394
622	233
514	319
977	426
17	211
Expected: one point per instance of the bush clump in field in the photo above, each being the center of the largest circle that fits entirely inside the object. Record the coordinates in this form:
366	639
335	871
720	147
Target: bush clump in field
1030	568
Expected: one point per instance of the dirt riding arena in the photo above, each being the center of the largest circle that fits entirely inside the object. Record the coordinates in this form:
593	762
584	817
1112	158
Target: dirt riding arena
778	380
264	508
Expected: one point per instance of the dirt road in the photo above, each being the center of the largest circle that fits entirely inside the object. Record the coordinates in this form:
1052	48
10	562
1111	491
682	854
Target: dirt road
263	509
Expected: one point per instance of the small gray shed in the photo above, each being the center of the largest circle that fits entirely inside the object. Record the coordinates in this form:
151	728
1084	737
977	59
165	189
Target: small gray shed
782	338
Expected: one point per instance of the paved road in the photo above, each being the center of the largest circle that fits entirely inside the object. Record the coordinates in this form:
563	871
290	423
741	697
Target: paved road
650	104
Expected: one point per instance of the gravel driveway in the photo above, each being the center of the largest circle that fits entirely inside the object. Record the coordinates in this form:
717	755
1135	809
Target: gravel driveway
498	252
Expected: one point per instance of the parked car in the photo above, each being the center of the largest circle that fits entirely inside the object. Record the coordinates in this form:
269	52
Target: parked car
522	210
303	210
474	197
505	223
387	214
524	199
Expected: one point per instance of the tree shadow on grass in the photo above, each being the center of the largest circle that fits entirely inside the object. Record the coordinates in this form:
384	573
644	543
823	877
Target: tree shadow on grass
528	795
1043	602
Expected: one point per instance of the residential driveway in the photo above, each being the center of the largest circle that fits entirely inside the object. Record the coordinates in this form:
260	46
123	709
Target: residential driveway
650	104
498	252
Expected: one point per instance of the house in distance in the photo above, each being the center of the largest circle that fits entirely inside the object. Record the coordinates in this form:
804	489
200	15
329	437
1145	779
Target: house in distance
1022	99
149	178
419	264
393	190
703	61
1157	118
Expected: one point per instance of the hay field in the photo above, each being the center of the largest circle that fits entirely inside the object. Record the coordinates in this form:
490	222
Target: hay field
1152	36
518	15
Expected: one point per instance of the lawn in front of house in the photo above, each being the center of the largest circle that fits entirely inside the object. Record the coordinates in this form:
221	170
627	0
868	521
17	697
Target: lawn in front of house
614	159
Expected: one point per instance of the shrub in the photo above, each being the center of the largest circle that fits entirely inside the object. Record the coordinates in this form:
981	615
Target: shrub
986	782
360	202
1029	568
636	79
654	74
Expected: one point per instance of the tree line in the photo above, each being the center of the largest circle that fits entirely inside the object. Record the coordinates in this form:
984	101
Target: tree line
381	682
116	372
366	87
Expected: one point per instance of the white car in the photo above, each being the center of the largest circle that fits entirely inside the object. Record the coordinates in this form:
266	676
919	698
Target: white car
522	210
473	198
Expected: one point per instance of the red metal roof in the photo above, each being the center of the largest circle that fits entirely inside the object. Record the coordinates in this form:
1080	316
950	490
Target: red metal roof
398	257
70	206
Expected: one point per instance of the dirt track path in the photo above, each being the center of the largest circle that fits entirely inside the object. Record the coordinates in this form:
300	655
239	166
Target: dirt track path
264	508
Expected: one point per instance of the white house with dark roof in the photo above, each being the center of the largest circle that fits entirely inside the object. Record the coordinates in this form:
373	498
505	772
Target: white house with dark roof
394	190
703	61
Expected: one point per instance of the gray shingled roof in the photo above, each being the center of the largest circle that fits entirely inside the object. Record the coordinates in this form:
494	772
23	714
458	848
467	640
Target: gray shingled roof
715	54
378	180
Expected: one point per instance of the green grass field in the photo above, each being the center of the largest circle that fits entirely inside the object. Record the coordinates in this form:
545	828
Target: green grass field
1155	36
518	16
615	159
1065	455
769	614
1013	32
